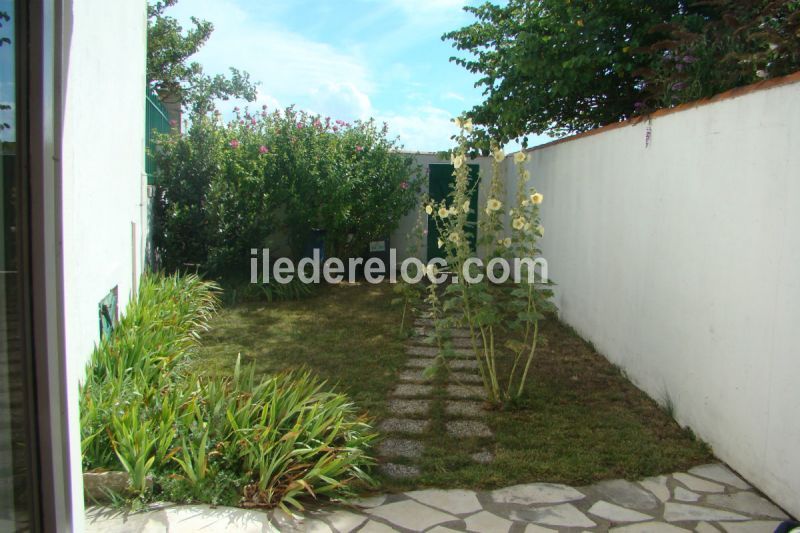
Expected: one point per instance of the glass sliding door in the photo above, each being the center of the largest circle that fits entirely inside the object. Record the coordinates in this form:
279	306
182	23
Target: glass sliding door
17	446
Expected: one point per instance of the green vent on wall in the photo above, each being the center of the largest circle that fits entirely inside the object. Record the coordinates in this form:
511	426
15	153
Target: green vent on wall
107	313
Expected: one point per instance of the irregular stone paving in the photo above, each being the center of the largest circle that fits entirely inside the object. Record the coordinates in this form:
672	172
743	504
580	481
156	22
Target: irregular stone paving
725	504
411	401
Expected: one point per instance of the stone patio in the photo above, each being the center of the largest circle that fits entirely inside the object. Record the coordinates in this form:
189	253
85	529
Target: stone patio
725	504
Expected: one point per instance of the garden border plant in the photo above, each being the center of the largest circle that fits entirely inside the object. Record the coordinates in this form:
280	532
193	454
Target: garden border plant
256	442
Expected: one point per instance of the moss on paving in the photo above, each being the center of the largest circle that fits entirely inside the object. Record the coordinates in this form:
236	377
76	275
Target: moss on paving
580	421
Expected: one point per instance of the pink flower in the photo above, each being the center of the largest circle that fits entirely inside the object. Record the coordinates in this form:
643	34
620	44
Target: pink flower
317	124
335	129
234	144
404	185
173	122
236	109
263	149
359	148
264	107
253	121
299	125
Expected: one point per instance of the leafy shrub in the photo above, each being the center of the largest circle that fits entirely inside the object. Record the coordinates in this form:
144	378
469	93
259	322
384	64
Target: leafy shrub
267	177
260	442
550	66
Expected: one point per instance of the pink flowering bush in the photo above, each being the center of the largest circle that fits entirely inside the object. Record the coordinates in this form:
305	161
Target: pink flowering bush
226	188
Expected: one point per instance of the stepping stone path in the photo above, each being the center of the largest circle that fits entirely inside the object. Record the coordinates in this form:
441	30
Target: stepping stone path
411	402
726	503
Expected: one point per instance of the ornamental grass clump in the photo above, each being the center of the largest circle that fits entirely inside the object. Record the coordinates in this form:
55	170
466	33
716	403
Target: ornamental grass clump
503	319
257	442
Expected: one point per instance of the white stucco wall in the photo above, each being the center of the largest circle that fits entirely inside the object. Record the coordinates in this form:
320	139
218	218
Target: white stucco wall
680	262
103	177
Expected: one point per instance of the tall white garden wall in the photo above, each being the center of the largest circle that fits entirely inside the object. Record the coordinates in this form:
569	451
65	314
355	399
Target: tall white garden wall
103	183
679	258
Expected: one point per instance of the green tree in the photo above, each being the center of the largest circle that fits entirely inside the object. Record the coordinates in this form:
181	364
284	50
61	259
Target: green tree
170	71
716	45
566	66
557	66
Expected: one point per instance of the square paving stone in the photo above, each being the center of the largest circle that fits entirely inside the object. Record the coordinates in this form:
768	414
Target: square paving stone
563	515
404	425
409	407
408	448
462	342
455	501
658	486
461	364
533	493
684	512
414	376
486	521
747	502
464	408
698	484
412	389
627	494
616	513
420	363
423	351
720	473
465	391
397	471
410	514
464	377
468	428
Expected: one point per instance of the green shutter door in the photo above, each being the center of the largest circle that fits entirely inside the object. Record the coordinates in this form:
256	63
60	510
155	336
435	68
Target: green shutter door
440	185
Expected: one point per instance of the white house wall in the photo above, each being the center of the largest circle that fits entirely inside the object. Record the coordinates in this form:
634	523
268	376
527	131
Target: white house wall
680	261
103	176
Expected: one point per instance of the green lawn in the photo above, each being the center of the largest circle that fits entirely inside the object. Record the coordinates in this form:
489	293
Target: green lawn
581	420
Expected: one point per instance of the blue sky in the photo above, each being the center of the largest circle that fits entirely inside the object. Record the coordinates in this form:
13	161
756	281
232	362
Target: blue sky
347	59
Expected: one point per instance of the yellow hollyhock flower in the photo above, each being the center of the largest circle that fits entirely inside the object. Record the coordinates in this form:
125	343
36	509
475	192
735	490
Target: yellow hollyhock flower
454	237
465	206
431	271
520	157
457	161
525	203
498	155
457	122
527	226
540	230
453	211
429	209
494	204
443	212
439	243
536	198
507	242
518	223
525	175
468	125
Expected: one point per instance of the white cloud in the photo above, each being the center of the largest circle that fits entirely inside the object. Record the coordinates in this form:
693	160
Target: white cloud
292	69
341	100
427	129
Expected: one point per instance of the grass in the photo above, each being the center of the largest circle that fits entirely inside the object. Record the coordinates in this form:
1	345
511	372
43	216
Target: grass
580	421
347	334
